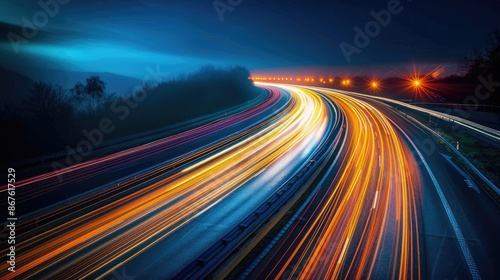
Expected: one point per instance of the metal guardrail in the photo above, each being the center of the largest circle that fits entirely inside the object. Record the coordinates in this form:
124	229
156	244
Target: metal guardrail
124	140
100	189
478	128
209	260
461	106
462	157
484	130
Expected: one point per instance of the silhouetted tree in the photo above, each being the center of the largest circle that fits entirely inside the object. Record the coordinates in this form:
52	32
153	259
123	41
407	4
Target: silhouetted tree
78	89
9	111
206	72
483	61
95	87
49	116
17	146
47	103
90	97
493	52
240	72
47	122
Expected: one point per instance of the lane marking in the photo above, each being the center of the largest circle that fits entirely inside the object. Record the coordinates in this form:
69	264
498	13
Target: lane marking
375	200
468	179
282	232
451	217
343	251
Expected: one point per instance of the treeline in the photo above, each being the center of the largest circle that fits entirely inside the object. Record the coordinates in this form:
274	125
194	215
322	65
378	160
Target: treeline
483	61
200	93
51	118
482	69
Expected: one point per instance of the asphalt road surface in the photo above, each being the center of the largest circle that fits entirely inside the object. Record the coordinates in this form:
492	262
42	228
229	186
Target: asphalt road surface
392	205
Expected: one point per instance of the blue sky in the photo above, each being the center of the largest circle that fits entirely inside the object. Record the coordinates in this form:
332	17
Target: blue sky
124	37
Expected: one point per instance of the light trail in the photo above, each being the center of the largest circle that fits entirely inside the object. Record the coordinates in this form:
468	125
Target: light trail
91	239
365	226
48	181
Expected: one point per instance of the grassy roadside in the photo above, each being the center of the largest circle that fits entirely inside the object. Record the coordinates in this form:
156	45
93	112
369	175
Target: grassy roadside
481	154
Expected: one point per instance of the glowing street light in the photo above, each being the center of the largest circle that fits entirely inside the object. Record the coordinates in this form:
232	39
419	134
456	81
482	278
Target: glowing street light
420	85
374	84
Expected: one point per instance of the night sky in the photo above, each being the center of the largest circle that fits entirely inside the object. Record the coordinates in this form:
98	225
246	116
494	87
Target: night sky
124	37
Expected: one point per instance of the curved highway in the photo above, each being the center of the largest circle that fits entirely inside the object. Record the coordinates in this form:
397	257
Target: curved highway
406	214
93	234
385	202
363	222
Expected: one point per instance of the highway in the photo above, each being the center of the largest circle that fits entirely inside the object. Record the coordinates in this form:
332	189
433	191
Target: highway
93	234
363	222
486	131
459	229
390	205
416	218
